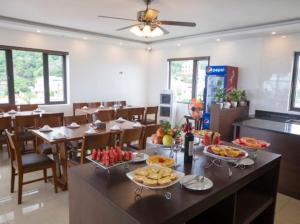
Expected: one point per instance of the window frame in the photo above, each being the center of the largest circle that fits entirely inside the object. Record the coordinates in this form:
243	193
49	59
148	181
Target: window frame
294	82
10	72
195	72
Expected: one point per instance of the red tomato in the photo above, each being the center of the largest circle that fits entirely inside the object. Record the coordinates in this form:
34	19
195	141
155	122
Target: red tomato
130	155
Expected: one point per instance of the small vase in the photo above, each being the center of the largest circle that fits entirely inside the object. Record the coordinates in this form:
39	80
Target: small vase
234	104
221	105
227	105
242	103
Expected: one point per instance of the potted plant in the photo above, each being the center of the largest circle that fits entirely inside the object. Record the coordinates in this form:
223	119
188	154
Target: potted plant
227	103
243	99
235	97
220	97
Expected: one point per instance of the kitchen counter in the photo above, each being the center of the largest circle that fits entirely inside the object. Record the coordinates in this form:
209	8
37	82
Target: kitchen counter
249	195
275	126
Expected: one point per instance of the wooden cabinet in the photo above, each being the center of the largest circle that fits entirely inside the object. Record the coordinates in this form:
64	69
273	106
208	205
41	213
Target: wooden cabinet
222	120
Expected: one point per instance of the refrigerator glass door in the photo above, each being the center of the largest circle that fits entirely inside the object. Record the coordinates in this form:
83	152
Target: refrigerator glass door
213	83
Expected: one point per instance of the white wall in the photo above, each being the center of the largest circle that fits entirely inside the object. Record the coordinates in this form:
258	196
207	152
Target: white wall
265	68
94	67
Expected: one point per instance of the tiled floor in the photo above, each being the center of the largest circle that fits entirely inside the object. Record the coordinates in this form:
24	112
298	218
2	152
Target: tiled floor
42	206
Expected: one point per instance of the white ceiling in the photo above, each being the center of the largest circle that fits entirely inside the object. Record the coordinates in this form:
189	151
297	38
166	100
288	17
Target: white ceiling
210	15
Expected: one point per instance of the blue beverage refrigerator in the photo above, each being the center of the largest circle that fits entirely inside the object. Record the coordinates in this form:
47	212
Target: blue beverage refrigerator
225	77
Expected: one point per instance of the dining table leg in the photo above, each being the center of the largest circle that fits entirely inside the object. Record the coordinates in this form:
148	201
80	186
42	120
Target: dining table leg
64	163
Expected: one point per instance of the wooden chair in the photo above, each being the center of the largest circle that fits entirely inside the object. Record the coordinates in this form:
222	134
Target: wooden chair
152	111
45	148
28	107
95	141
137	114
8	107
78	106
123	103
93	104
109	104
60	115
23	124
79	119
73	146
27	163
124	113
130	135
149	130
105	115
5	124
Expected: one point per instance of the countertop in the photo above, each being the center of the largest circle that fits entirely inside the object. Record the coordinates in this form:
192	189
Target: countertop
275	126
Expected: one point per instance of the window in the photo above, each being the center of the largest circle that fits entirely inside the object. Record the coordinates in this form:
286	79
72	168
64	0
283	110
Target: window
295	92
3	79
29	76
187	78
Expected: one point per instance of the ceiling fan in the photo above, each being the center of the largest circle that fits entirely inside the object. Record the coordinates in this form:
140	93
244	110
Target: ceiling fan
147	23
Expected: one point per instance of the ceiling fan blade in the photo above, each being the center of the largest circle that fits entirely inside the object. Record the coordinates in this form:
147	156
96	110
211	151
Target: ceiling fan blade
111	17
175	23
125	28
164	30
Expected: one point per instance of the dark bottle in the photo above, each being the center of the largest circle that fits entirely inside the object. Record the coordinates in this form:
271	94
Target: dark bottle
188	145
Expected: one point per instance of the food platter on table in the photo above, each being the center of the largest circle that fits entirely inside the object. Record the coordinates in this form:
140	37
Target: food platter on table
155	177
224	152
109	158
251	143
160	160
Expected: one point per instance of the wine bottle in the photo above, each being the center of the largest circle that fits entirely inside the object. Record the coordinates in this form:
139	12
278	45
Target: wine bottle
188	145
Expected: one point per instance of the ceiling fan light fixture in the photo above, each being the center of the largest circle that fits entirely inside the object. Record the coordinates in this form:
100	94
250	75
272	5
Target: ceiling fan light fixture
146	31
136	30
157	32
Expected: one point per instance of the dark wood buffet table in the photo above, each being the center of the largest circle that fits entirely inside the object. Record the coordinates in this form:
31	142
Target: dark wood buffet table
249	195
285	140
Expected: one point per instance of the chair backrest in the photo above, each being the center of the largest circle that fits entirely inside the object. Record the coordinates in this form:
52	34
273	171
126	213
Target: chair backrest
51	121
95	141
25	121
5	123
105	115
14	149
93	104
130	135
109	104
60	115
79	119
123	103
149	130
124	113
78	106
28	107
8	107
151	111
136	112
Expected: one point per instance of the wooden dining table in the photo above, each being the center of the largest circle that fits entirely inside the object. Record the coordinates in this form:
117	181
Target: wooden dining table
72	134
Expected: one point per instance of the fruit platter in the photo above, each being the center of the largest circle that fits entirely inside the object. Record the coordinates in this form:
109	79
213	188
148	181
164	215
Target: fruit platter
109	158
160	160
224	152
165	135
155	177
251	143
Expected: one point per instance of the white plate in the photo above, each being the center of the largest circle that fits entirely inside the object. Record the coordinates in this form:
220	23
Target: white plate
207	153
73	127
193	184
45	130
130	175
141	158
